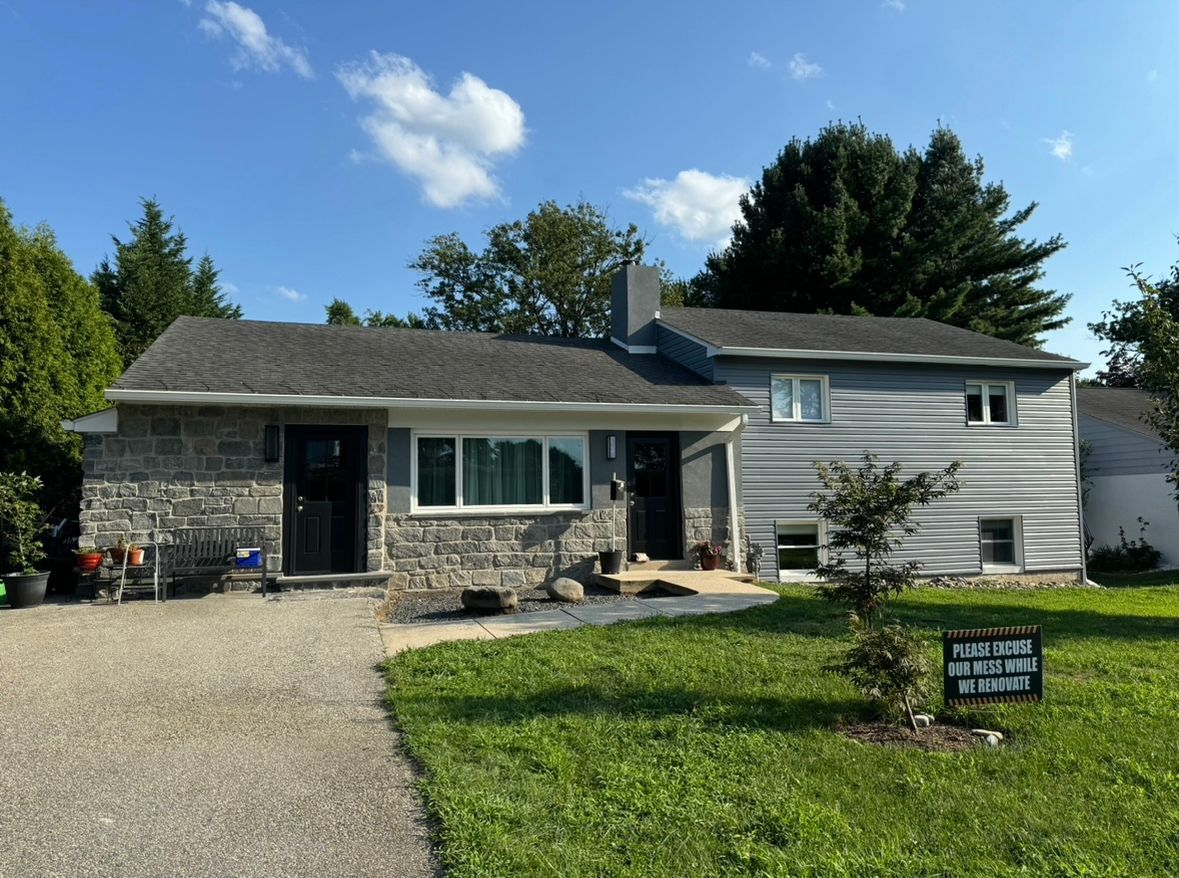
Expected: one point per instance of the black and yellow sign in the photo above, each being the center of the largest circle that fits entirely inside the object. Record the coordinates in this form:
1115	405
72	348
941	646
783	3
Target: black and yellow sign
993	666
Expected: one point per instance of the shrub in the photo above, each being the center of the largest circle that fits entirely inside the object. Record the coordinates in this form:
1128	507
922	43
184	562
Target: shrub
21	523
888	665
1128	556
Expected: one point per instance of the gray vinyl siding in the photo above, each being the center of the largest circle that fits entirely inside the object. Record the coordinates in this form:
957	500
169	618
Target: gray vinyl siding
684	351
1120	452
916	415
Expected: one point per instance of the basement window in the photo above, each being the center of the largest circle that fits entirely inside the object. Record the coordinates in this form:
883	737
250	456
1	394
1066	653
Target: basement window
1001	544
798	546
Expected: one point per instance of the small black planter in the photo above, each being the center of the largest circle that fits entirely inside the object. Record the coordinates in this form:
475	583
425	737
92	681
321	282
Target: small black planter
25	589
611	561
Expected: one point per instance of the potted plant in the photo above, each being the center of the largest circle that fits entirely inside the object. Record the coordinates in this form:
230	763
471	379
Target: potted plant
88	560
708	553
118	550
21	525
134	556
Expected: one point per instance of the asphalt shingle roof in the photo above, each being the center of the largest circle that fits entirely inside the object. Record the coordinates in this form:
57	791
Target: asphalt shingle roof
836	332
246	356
1121	406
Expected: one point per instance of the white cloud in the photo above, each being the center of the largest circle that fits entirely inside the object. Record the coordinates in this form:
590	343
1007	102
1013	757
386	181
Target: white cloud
801	68
1152	76
290	295
255	46
698	205
831	105
230	289
446	142
1087	170
760	61
1062	146
894	5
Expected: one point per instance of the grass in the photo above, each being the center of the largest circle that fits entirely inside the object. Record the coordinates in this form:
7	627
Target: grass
1133	580
705	746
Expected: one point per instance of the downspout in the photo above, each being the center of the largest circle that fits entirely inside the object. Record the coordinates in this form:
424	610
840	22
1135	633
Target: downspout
734	509
1072	391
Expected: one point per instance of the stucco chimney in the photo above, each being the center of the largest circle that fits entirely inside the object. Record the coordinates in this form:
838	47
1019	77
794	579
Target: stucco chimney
634	304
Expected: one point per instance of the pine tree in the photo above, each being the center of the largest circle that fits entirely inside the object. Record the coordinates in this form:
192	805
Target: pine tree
151	283
847	224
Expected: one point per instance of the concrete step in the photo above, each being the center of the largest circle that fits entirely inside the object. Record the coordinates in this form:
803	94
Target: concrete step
674	581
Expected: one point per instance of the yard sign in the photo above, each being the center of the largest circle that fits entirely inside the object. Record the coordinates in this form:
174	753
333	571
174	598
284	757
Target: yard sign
993	666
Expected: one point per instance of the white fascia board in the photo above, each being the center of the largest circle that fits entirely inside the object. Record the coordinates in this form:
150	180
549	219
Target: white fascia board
105	421
181	397
779	354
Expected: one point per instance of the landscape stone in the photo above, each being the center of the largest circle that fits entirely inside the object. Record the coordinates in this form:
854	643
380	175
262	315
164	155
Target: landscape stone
489	598
922	720
566	590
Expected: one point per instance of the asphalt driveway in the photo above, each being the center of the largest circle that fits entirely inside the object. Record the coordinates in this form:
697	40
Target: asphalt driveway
219	736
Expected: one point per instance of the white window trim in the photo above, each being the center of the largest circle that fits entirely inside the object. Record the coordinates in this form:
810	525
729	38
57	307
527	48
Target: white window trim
797	413
1012	409
794	574
462	509
1016	536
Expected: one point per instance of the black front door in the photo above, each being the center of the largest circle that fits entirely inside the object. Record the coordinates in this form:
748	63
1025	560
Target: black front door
653	473
324	495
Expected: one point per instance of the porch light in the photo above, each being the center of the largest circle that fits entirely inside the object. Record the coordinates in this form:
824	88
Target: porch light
611	447
271	443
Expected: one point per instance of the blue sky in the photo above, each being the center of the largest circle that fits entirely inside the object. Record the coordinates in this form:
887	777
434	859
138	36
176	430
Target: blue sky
312	148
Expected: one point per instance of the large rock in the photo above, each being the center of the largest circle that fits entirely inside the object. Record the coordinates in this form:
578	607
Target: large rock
566	590
489	598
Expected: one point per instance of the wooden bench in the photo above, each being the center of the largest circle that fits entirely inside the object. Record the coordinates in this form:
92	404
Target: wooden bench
205	551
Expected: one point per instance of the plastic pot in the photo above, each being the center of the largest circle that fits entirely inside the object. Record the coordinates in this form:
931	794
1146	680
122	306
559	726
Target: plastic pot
88	562
611	562
709	562
25	589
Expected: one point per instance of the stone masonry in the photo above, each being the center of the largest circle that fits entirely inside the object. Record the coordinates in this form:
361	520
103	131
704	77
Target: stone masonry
204	466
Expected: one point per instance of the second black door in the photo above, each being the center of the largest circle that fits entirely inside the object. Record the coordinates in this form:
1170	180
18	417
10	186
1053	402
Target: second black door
656	518
324	490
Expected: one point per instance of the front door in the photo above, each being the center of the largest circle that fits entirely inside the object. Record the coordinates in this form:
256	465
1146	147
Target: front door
324	493
653	473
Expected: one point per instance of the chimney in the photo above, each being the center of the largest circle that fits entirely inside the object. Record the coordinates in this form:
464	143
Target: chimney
634	304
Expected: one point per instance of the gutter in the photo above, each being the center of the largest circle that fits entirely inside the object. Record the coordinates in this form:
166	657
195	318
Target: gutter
1072	390
734	508
180	397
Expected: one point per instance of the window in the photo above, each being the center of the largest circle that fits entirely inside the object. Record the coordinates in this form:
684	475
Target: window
990	402
798	545
798	398
1000	544
500	472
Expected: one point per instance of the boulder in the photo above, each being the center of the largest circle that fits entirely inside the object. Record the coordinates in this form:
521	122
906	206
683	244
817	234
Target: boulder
986	733
566	590
922	720
489	598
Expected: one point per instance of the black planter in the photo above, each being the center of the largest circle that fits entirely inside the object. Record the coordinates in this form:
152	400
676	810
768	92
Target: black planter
611	561
25	589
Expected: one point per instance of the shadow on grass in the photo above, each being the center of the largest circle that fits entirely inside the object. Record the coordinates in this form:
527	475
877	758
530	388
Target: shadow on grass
803	615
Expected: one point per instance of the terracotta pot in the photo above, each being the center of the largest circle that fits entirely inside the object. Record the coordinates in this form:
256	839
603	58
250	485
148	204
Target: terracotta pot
709	562
134	557
88	562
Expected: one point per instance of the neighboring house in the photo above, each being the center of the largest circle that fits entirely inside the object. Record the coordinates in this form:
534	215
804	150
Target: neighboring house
436	459
1127	471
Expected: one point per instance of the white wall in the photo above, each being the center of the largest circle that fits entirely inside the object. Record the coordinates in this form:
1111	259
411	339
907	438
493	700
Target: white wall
1119	500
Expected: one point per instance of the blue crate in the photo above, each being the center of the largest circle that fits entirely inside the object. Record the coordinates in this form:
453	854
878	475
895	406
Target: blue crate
247	558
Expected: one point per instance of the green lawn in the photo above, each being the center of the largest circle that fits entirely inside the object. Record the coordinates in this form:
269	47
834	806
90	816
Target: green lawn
701	747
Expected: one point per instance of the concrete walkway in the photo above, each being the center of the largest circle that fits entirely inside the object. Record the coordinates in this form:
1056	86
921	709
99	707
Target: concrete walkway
227	735
719	597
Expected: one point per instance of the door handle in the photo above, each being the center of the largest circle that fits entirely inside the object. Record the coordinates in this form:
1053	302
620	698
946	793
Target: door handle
299	507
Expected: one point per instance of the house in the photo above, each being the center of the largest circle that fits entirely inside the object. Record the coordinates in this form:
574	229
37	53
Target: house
1126	471
433	459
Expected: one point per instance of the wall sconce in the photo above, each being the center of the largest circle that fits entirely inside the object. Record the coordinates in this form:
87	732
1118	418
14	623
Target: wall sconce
271	443
611	447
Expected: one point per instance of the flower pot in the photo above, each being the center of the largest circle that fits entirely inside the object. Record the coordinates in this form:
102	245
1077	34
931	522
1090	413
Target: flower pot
88	562
25	589
611	562
134	557
117	554
709	562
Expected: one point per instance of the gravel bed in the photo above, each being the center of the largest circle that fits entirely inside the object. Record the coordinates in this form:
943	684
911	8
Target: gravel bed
442	605
997	583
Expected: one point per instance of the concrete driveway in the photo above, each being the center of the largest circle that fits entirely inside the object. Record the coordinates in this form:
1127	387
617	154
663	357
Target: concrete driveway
219	736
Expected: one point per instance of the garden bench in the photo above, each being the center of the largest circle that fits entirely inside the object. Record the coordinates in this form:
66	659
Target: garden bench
205	551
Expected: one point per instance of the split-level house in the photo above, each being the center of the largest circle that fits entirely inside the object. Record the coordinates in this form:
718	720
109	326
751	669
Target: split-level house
433	459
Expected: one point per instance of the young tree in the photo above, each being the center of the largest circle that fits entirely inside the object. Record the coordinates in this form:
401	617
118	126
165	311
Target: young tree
848	224
57	355
548	274
1124	328
151	283
888	665
868	513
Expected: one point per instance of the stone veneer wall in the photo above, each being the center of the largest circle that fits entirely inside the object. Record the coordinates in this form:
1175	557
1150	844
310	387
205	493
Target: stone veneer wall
203	466
449	552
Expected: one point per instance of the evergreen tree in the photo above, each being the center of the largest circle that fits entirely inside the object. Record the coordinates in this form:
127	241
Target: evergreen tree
57	355
847	224
151	283
340	313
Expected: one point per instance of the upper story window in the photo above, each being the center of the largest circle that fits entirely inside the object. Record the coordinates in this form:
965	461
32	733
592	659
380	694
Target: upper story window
499	473
799	398
990	402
